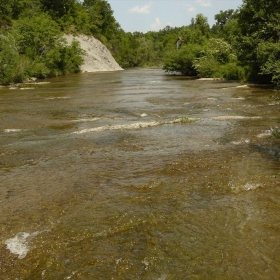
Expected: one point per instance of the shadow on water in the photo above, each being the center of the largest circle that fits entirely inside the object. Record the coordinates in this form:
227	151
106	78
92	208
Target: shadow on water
98	180
271	149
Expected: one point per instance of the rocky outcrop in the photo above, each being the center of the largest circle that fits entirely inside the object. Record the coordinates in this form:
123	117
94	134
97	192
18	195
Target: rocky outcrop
98	57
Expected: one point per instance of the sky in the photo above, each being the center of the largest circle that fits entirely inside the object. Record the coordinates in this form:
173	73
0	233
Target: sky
153	15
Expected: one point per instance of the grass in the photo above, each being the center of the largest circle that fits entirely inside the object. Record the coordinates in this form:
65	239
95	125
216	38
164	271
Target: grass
184	120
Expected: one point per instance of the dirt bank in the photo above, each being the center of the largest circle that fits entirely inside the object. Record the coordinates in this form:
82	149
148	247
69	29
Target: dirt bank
98	57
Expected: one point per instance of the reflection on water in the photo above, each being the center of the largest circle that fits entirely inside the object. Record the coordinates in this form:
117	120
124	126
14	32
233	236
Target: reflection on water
138	175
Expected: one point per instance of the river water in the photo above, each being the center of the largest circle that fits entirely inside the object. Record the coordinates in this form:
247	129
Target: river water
138	175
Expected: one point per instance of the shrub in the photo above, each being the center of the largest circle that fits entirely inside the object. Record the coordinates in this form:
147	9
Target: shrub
13	66
268	55
218	60
182	60
220	50
207	67
71	58
275	133
232	71
35	48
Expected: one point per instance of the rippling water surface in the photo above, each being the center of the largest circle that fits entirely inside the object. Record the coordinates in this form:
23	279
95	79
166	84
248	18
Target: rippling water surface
138	175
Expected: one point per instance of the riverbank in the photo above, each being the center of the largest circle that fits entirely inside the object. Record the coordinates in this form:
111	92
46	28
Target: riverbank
97	59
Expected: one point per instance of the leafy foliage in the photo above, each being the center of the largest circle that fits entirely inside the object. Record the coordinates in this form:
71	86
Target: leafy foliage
200	22
35	47
207	67
268	56
219	60
232	71
259	30
242	44
182	60
123	47
102	23
12	65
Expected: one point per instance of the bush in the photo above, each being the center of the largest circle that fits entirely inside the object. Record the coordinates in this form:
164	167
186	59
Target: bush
15	71
231	71
182	60
220	50
268	55
207	67
71	58
13	66
35	48
217	60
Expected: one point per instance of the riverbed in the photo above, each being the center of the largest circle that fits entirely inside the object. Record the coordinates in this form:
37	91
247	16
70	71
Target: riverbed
137	174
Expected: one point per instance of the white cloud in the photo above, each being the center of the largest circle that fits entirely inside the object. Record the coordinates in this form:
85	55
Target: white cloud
191	10
141	9
188	8
205	3
156	25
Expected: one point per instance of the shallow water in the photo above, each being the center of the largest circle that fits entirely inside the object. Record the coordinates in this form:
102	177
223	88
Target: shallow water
138	175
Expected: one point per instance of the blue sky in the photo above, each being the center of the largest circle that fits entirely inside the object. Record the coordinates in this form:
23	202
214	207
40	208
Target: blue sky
153	15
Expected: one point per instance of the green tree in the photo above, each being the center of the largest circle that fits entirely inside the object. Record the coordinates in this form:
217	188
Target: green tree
35	47
102	23
192	36
182	61
217	59
258	21
226	26
200	22
57	9
76	20
36	36
124	47
13	9
5	13
12	66
223	17
268	57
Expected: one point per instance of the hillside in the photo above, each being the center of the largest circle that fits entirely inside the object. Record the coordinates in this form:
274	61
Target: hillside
98	57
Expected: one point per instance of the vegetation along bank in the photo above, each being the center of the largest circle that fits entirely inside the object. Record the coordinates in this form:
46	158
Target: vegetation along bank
243	44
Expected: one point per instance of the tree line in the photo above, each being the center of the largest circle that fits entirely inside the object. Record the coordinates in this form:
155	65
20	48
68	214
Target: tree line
243	44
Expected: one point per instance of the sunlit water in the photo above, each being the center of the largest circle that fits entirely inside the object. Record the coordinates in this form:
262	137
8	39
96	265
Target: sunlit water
138	175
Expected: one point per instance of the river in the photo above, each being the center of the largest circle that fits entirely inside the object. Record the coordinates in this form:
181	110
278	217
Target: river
136	174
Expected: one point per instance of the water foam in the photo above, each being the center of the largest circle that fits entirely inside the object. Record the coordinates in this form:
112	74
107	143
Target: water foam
233	118
155	123
136	125
84	120
116	127
237	187
12	130
247	141
54	98
264	134
19	245
251	186
37	83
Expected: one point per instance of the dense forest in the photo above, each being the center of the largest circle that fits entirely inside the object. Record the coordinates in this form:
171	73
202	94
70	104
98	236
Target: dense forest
243	44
